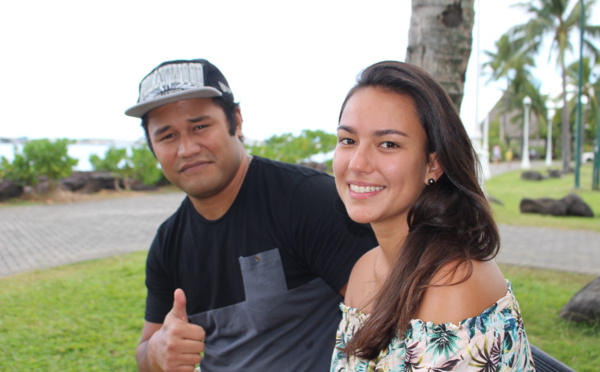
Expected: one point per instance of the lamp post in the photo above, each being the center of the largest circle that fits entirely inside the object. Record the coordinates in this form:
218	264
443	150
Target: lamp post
525	155
549	137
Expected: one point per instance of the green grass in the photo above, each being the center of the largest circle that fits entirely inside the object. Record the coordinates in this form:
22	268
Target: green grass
81	317
541	295
510	189
88	316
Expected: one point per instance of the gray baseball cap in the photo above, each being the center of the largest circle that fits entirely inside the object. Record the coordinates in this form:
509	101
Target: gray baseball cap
173	81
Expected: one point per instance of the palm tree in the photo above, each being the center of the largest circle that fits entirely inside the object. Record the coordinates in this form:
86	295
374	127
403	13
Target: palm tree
521	85
509	64
589	89
557	19
440	41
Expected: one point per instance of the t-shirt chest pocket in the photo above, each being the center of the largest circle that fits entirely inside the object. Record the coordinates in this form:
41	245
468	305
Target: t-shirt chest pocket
264	279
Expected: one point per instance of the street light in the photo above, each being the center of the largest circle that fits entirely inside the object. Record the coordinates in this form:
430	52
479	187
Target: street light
525	155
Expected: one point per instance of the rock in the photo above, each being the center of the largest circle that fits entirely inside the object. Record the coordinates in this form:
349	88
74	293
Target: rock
585	305
570	205
577	207
543	206
9	190
76	181
532	176
139	186
88	182
554	173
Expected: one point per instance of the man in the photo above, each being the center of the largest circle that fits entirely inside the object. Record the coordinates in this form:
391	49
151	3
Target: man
251	268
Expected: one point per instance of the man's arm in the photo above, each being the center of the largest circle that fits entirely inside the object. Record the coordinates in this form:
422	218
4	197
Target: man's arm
174	345
141	352
328	240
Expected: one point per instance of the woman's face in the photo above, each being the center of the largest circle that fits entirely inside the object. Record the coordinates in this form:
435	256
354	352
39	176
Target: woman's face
380	162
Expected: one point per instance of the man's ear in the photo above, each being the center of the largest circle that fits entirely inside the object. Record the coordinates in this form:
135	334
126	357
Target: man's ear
434	169
238	123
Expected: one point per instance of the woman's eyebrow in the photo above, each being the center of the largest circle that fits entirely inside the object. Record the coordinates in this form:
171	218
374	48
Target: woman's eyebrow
385	132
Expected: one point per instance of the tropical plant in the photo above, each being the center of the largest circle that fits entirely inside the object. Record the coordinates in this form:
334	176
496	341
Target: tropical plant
141	166
590	87
291	149
145	166
114	161
507	63
557	19
19	170
40	158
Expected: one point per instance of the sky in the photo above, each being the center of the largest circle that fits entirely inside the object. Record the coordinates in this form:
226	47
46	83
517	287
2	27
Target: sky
70	68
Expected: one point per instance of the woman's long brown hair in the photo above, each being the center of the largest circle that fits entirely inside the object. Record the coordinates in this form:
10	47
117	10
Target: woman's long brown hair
450	223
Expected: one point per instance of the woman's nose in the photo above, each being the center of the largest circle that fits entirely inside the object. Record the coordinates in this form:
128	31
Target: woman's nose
360	160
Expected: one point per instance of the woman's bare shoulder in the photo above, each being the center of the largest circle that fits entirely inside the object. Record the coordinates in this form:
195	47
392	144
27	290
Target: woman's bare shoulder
362	284
450	300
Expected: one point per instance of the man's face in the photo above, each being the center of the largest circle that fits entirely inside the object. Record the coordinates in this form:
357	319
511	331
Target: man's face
192	143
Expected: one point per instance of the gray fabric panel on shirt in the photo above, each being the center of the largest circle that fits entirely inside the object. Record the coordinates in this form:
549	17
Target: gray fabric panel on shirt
263	274
274	329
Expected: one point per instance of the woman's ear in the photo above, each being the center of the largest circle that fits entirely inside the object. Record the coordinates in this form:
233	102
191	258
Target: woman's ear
434	169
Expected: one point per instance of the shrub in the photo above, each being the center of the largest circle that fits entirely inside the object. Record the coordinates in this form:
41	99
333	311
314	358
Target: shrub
38	158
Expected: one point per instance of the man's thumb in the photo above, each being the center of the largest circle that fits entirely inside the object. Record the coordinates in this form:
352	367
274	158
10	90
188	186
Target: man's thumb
179	305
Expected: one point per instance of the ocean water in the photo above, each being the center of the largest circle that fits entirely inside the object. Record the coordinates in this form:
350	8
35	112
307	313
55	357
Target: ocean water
79	151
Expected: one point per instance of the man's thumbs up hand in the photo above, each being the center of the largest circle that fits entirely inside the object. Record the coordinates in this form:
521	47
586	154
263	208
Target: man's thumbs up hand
178	344
179	303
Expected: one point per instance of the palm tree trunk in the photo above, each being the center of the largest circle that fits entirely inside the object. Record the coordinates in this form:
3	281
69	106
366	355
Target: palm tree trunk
566	125
440	41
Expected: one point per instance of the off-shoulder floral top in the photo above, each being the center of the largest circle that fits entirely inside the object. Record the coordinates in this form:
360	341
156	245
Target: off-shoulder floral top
495	340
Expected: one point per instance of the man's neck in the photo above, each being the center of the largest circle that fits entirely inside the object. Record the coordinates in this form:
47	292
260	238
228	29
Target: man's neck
216	206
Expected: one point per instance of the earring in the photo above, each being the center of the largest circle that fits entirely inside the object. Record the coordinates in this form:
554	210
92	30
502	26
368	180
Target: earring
431	181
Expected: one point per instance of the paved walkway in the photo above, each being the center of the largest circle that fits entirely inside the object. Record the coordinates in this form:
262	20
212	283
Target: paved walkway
44	236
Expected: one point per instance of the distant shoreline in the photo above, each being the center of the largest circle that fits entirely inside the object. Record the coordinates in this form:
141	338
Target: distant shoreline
84	141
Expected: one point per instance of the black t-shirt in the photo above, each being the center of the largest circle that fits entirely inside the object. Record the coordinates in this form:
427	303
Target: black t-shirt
268	268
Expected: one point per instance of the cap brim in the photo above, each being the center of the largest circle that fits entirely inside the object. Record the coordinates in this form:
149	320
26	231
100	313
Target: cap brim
139	110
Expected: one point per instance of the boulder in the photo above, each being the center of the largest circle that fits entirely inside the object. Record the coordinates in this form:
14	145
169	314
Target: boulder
88	182
543	206
554	173
585	305
570	205
532	176
577	207
9	190
139	186
76	181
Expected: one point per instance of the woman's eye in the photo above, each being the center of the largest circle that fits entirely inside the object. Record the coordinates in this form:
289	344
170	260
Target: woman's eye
346	141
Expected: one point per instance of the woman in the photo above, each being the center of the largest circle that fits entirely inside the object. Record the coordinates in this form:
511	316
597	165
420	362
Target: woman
429	297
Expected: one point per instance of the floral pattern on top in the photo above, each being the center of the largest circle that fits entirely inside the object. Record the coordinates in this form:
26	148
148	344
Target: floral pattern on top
495	340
